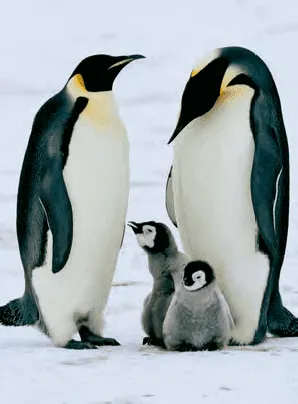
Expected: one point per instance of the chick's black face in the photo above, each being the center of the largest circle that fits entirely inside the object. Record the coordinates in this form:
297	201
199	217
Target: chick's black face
151	236
197	274
99	71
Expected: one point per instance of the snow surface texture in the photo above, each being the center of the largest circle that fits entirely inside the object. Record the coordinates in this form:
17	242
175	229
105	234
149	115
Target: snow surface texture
41	43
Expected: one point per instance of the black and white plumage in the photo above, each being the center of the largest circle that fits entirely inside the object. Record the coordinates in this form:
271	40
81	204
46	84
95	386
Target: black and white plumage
198	317
230	187
71	209
166	266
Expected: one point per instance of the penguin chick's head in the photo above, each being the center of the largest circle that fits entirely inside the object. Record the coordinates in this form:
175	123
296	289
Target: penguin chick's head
98	72
153	237
197	274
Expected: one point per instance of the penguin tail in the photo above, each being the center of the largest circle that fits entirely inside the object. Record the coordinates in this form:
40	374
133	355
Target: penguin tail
16	314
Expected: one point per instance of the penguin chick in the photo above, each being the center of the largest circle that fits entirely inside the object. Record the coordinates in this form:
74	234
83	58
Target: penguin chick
198	317
166	265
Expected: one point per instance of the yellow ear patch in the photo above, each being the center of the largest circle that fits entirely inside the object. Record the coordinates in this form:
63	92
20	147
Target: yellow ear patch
230	74
76	86
204	62
196	71
80	81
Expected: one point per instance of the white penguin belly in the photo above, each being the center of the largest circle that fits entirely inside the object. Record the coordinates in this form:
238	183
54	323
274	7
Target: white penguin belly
213	159
97	180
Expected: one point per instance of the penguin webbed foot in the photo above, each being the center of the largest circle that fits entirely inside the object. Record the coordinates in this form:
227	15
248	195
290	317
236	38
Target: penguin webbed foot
79	345
282	323
185	347
232	342
287	330
151	341
88	336
210	346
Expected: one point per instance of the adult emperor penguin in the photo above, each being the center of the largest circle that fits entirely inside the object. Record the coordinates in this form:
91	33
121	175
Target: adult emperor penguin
71	208
228	188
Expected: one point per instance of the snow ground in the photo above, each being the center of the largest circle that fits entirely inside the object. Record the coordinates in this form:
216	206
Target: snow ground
41	42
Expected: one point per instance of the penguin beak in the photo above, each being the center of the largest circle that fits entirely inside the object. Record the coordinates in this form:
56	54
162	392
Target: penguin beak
136	227
176	133
187	281
124	60
135	57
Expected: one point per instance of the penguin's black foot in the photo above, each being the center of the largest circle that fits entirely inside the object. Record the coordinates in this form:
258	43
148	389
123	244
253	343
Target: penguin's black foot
72	344
153	341
185	347
232	342
281	322
88	336
284	326
212	346
146	341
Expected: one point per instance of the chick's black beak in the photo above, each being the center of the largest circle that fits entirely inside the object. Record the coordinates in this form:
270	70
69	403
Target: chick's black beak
136	227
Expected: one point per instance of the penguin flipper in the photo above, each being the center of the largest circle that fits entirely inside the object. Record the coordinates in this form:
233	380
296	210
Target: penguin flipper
270	196
53	194
170	199
266	170
57	208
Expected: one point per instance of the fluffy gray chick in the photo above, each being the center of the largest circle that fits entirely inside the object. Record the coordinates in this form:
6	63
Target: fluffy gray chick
166	266
198	317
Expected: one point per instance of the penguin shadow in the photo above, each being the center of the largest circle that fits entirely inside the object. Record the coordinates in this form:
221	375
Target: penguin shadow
84	361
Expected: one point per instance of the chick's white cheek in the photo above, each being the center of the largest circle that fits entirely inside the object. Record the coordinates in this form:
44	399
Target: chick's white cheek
199	277
191	288
141	240
200	282
145	240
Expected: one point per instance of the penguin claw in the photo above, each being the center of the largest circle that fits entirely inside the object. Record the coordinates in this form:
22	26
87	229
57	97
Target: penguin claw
153	342
79	345
88	336
106	342
100	341
146	341
232	342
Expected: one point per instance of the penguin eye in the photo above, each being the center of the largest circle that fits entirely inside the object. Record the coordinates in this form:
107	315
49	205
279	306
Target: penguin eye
197	276
149	230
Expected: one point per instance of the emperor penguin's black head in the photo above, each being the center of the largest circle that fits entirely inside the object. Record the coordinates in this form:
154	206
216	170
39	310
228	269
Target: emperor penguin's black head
98	72
197	275
214	77
153	237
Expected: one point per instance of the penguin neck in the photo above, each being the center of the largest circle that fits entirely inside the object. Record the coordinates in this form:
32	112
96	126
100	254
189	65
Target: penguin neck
101	105
160	264
205	295
165	255
164	283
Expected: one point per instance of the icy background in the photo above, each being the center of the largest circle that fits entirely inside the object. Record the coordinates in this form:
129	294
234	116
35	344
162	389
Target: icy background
40	44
